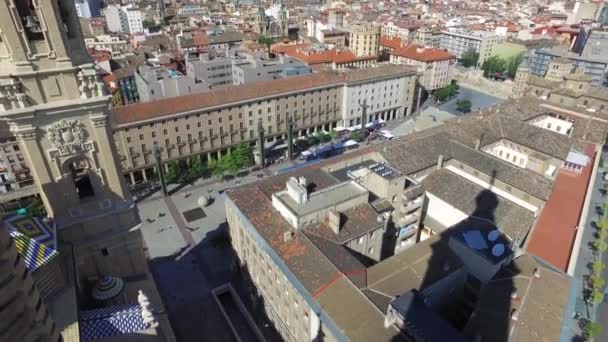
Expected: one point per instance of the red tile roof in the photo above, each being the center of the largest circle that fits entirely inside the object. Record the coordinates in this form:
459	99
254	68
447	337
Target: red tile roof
391	42
424	54
309	56
155	109
554	234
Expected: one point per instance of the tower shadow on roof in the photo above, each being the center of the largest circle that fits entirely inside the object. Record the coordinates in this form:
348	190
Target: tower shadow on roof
460	305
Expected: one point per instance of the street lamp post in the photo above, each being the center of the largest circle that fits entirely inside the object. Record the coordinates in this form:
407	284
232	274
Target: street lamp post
159	167
290	138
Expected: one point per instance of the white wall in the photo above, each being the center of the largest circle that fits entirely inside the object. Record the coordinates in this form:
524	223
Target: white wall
508	152
553	124
443	212
377	98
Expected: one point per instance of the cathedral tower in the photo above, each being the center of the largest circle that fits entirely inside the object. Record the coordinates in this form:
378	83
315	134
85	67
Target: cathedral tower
51	96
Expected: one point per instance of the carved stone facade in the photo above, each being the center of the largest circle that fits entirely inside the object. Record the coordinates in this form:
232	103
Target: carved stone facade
51	97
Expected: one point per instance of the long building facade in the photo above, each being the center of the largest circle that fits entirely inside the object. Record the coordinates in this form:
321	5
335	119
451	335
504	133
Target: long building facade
209	124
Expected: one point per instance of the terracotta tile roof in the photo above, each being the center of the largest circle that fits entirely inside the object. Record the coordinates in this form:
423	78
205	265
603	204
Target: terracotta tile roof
144	111
420	53
391	42
298	253
156	109
310	56
554	234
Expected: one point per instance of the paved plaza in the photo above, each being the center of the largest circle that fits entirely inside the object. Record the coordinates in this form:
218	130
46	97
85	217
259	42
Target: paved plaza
188	259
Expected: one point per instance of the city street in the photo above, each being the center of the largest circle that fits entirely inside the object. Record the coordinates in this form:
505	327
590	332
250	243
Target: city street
572	330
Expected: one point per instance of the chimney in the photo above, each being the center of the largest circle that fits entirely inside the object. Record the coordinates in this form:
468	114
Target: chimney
297	191
514	314
477	143
440	162
537	273
287	236
333	219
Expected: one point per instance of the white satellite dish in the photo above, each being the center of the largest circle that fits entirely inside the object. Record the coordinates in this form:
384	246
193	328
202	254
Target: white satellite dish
493	235
498	249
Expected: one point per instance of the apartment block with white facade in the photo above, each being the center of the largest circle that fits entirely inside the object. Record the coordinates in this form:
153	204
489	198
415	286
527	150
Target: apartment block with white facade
385	98
364	39
457	42
436	66
124	19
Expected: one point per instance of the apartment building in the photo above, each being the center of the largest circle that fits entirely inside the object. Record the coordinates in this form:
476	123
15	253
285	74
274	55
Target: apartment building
192	9
124	19
383	100
233	68
364	39
113	44
157	82
210	123
469	241
399	29
435	66
593	58
457	42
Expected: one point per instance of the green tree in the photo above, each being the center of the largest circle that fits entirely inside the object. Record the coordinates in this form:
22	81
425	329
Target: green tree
324	137
469	58
493	65
603	221
443	93
464	105
312	140
267	41
592	329
243	155
172	174
600	245
300	144
333	134
357	136
193	172
597	282
148	23
230	164
215	168
597	297
513	63
597	267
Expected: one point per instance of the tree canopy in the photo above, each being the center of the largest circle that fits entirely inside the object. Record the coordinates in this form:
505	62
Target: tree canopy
513	63
493	65
445	92
469	58
464	105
